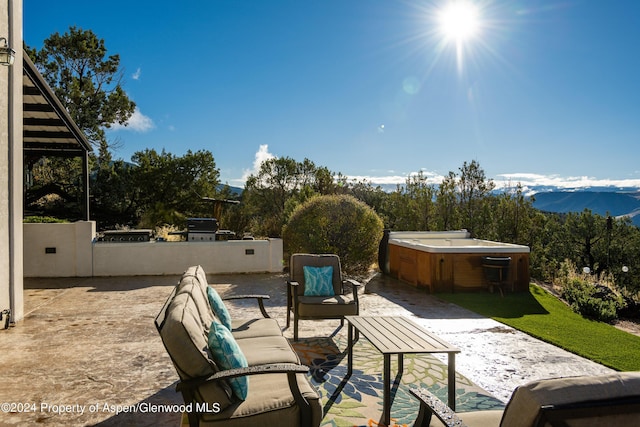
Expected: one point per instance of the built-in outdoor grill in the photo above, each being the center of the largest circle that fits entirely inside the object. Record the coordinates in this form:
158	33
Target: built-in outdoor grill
126	236
207	229
201	229
204	230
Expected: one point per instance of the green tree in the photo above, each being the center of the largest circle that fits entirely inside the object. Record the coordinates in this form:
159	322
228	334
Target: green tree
87	81
513	216
169	189
365	191
278	187
421	200
474	191
114	199
412	206
446	204
586	230
624	263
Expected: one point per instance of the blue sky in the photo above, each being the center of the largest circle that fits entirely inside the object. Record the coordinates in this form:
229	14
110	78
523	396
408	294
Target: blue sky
545	92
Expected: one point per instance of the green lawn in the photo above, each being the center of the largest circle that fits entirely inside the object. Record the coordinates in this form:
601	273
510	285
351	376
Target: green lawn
543	316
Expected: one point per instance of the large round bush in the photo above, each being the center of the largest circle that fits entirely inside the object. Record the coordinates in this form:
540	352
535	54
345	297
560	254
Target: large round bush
336	224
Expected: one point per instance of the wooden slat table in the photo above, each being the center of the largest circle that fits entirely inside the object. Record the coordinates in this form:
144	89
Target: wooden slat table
399	335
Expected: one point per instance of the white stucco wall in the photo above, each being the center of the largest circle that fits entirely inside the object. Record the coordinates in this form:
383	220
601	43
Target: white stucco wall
161	258
58	250
68	250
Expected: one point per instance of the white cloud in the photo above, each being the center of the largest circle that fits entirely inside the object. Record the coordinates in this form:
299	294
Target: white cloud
562	182
379	180
261	156
137	74
138	122
395	179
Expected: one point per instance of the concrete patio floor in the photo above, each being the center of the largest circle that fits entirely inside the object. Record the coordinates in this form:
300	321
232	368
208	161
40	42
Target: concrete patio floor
90	345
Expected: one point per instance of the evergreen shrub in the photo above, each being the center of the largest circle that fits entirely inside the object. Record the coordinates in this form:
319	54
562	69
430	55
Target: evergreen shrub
590	299
583	299
42	220
337	224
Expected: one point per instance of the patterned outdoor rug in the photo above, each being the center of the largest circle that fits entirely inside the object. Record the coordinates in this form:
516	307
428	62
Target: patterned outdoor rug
357	401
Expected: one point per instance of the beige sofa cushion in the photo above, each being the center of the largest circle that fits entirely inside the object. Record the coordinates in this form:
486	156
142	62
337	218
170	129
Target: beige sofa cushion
265	350
199	278
197	272
473	419
183	336
191	286
478	418
271	399
327	306
526	400
194	282
250	328
186	343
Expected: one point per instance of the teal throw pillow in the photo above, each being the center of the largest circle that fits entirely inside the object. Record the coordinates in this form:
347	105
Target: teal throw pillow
318	281
218	307
228	355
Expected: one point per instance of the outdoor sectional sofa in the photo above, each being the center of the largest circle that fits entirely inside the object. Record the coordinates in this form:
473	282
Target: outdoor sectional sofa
270	389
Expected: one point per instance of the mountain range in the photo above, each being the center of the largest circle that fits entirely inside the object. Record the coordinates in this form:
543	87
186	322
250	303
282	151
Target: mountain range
617	203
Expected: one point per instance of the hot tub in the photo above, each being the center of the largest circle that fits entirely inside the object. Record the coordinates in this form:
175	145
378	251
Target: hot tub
452	260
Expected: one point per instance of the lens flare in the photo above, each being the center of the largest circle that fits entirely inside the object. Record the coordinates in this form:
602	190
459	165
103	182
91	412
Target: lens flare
459	21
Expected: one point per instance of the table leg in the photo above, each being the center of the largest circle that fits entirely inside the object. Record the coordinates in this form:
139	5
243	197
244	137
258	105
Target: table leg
386	380
400	363
350	350
452	381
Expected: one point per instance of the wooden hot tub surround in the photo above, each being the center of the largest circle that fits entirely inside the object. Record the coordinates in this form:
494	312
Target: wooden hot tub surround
453	262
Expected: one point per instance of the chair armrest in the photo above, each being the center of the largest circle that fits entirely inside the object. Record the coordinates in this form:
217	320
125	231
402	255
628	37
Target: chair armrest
259	298
354	287
353	282
271	368
292	294
431	405
247	296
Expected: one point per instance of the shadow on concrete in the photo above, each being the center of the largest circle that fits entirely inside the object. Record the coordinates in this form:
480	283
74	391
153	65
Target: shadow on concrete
416	300
159	409
101	284
467	305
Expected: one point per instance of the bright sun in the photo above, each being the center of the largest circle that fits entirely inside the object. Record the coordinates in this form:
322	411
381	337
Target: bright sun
459	21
